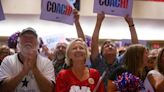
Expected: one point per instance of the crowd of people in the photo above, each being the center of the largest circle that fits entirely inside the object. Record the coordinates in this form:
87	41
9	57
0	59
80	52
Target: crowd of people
34	68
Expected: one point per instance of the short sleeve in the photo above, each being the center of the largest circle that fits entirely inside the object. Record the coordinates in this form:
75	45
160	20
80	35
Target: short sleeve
49	72
96	61
5	70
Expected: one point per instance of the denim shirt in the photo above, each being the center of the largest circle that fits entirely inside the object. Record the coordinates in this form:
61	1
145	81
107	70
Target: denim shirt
101	65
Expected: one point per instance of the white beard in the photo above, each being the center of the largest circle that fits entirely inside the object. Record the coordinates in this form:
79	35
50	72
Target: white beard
60	56
26	49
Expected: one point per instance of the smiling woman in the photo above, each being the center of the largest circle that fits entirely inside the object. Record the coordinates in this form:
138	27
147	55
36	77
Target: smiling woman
79	77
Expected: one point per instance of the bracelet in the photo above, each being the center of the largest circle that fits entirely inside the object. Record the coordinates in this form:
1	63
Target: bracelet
131	25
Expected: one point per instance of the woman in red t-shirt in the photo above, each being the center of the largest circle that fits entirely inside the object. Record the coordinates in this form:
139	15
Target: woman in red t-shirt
78	77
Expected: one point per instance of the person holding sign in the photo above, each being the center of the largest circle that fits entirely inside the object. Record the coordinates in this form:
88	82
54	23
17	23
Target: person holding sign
78	77
106	59
59	61
103	60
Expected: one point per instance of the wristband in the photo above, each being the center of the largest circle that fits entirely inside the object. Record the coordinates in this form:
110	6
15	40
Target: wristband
131	25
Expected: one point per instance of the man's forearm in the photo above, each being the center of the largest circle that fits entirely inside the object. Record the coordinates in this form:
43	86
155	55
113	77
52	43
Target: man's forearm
9	84
44	84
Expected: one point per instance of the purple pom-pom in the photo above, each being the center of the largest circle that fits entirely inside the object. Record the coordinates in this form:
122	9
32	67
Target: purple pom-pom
12	40
128	83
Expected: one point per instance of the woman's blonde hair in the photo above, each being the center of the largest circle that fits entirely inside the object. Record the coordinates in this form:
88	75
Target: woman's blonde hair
68	60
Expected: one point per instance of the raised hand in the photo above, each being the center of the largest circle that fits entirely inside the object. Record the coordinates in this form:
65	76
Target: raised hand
30	61
26	67
100	16
129	20
78	25
134	38
76	15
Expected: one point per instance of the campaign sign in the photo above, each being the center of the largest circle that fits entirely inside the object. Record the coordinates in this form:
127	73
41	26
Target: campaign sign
2	16
114	7
57	10
52	40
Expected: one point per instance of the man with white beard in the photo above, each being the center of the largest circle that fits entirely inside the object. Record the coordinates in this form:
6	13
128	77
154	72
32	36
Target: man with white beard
59	60
27	71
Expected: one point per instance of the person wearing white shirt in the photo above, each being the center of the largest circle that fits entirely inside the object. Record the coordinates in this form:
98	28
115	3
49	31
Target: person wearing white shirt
27	71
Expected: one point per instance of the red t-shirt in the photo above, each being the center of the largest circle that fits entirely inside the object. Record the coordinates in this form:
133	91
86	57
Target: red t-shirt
66	81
